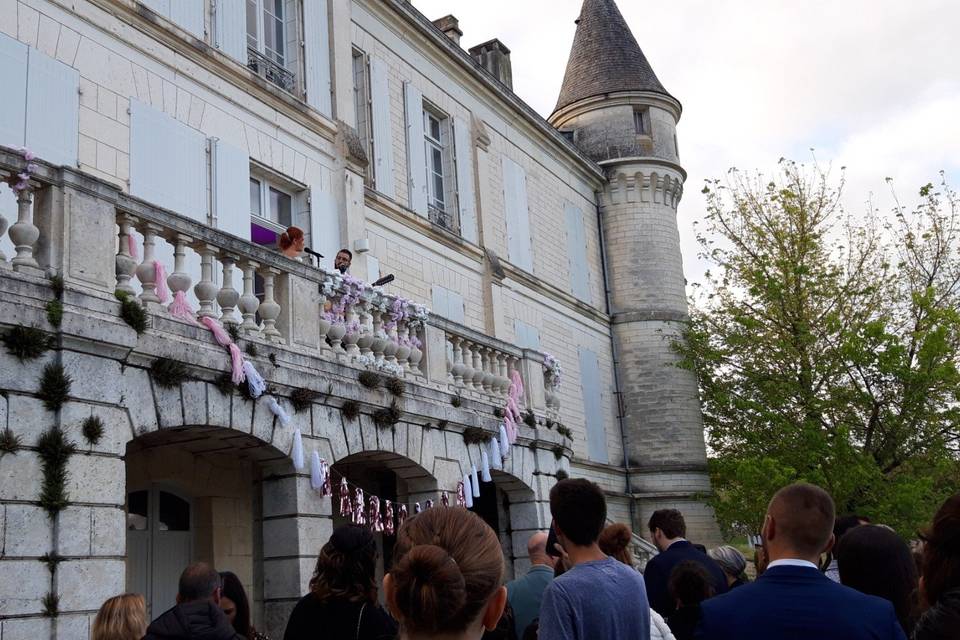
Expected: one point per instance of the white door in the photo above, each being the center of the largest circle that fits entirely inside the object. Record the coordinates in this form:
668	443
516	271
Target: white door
159	545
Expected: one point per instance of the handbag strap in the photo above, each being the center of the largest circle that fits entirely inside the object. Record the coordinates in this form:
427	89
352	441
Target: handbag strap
360	619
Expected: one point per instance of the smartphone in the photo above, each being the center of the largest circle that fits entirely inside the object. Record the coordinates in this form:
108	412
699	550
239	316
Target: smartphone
551	542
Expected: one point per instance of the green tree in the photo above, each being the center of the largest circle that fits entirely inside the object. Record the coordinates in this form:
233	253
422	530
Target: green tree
827	351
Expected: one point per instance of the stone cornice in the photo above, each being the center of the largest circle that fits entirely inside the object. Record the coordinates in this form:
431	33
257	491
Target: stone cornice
621	98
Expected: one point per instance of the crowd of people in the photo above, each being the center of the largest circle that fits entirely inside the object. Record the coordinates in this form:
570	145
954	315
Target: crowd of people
817	576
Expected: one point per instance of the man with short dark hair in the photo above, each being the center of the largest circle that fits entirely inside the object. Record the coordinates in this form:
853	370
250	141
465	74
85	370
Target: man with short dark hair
793	599
343	260
667	531
598	597
197	614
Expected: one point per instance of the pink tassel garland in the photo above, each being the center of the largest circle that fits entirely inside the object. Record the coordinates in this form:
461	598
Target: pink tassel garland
160	275
373	514
180	308
444	499
132	246
345	509
387	517
221	336
358	517
461	497
401	516
236	364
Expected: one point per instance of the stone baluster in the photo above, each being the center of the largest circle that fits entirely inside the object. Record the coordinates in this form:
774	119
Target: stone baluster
403	340
126	265
416	352
467	349
477	368
249	303
503	379
24	234
365	339
3	230
456	366
228	297
269	308
179	280
147	269
489	363
379	342
206	290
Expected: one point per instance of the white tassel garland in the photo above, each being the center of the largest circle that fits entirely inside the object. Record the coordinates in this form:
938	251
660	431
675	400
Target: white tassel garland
496	459
467	493
484	466
278	411
316	472
297	453
475	482
504	443
255	382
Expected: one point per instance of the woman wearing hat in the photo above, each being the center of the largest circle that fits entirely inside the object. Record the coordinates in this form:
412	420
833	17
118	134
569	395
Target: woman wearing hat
342	602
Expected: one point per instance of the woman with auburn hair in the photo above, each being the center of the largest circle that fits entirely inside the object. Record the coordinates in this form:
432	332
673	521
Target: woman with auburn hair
447	576
291	242
342	602
940	575
121	617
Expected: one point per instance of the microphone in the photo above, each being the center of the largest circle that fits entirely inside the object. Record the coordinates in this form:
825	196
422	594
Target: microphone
312	252
387	279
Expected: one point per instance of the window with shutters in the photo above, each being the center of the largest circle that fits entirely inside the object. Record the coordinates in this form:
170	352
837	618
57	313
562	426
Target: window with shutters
272	208
439	170
363	106
271	41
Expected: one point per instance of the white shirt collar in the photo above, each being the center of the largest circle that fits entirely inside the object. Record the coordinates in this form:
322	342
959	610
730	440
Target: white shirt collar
791	562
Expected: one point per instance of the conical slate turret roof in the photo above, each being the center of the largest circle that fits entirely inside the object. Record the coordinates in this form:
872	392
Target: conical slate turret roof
605	57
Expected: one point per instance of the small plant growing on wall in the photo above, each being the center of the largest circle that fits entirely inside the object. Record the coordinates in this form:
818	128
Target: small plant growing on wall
26	343
370	379
302	398
565	431
54	312
233	330
350	410
558	452
131	312
56	284
92	429
562	475
54	386
168	373
395	386
272	358
456	402
498	413
51	605
224	383
9	441
442	424
388	416
475	435
51	559
529	419
54	450
251	350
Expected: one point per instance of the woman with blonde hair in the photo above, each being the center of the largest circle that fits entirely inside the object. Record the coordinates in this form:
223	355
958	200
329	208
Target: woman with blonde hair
447	577
121	617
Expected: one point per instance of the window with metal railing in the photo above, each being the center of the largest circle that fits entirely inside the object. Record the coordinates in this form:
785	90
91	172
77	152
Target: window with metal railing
269	54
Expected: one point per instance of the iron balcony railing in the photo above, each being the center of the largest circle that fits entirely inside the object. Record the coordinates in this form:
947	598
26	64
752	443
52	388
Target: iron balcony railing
270	70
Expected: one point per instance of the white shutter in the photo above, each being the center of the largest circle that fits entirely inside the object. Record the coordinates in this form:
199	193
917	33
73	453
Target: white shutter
593	407
517	213
189	15
168	162
440	302
316	37
13	79
324	225
577	253
465	189
455	307
382	133
527	336
230	32
53	109
231	183
416	152
373	268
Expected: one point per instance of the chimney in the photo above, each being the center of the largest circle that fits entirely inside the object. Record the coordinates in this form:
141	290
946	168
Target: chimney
494	57
450	27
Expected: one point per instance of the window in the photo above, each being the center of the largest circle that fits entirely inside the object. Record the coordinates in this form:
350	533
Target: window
363	106
268	53
641	122
272	211
440	205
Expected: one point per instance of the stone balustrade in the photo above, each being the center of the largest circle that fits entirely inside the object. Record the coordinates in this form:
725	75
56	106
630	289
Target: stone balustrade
265	295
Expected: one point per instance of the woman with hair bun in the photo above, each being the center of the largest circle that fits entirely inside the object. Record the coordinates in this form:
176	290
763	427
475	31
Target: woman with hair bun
291	242
447	576
940	575
342	602
733	563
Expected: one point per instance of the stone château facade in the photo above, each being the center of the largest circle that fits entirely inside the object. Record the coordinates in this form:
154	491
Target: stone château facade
174	140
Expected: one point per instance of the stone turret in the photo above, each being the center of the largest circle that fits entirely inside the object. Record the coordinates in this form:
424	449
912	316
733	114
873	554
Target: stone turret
620	114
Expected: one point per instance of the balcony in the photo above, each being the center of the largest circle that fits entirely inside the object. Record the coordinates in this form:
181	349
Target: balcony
270	70
317	323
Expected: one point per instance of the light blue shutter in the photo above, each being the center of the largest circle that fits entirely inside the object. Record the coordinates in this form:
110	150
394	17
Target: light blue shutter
382	133
517	213
373	268
416	152
168	162
13	79
441	303
577	253
455	308
189	15
231	29
465	191
324	225
53	109
527	336
593	406
231	182
316	38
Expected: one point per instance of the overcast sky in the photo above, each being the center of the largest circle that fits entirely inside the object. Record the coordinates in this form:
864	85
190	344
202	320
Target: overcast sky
873	85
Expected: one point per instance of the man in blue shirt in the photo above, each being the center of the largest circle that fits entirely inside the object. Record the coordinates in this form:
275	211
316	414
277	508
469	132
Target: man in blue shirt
526	593
599	597
792	598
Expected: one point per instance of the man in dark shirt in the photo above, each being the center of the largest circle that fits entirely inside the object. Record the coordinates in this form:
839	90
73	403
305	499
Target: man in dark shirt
667	531
197	613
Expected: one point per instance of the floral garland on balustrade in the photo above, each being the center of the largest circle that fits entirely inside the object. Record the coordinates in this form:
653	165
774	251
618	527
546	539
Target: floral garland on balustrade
554	370
22	180
351	291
